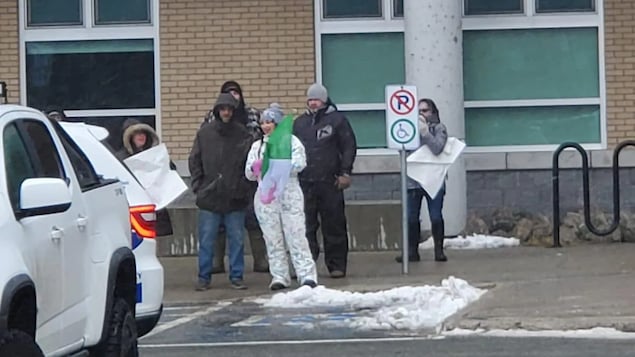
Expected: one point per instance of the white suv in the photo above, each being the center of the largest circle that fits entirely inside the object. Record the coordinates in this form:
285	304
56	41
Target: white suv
67	270
149	296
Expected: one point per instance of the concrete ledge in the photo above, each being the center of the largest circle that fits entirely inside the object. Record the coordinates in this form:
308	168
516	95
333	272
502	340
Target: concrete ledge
372	226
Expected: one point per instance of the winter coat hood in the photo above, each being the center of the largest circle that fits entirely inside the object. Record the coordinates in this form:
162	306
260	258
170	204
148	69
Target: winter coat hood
130	127
227	86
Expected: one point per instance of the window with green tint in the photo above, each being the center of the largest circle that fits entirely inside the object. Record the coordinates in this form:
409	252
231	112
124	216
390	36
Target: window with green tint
357	67
352	8
531	64
103	74
369	127
532	125
397	10
564	5
489	7
122	11
54	12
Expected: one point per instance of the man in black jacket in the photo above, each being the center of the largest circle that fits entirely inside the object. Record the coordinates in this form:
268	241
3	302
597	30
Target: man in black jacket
249	117
217	168
331	148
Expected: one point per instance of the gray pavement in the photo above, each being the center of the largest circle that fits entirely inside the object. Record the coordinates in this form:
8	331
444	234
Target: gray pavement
532	288
528	288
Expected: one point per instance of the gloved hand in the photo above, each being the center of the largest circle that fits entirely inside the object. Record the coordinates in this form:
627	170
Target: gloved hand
343	182
423	125
256	167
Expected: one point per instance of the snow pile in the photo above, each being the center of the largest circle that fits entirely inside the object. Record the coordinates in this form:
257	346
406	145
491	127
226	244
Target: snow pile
475	241
596	332
404	308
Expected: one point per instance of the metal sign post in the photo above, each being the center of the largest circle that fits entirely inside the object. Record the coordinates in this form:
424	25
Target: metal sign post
402	133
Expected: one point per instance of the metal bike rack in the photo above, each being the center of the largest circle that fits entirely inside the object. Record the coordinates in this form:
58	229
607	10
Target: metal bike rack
585	190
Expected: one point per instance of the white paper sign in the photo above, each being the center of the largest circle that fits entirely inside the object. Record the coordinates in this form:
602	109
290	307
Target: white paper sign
152	168
428	169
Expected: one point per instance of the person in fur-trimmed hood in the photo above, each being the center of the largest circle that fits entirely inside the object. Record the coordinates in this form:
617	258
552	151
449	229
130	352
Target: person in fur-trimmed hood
137	137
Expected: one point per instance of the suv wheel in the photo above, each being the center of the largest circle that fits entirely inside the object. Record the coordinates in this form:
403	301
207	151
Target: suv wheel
18	344
122	333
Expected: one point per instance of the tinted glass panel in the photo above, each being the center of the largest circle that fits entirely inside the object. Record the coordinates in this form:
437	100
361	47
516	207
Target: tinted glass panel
564	5
532	125
17	164
46	153
523	70
357	67
82	167
488	7
397	8
114	74
369	127
53	12
352	8
122	11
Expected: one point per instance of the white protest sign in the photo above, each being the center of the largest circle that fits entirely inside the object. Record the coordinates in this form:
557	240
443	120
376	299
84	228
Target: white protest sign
152	168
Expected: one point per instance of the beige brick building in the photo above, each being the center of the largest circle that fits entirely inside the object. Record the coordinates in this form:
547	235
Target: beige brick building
620	69
270	52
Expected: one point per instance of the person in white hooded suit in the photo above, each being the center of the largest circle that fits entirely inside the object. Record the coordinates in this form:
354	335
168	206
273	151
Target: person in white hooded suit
282	218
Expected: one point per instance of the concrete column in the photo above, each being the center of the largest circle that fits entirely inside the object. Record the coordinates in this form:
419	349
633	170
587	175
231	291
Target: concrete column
434	63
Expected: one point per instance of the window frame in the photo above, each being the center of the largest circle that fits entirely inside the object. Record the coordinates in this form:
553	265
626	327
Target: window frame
91	31
551	20
530	19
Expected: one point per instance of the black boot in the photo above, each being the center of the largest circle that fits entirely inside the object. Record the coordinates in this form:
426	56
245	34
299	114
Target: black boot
438	234
414	232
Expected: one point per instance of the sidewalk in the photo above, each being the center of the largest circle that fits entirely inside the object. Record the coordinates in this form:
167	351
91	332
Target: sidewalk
528	288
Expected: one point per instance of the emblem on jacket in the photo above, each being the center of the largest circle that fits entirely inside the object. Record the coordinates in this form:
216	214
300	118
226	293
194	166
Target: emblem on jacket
324	132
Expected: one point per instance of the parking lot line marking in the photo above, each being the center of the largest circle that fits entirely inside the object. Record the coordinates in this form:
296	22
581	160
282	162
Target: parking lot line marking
287	342
188	318
176	308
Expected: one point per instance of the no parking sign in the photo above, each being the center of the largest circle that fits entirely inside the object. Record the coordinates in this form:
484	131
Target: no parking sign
402	131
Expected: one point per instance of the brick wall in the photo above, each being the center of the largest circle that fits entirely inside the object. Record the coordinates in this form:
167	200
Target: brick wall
9	53
267	46
620	69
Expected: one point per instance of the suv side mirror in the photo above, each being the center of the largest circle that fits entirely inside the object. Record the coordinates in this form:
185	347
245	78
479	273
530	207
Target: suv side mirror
43	195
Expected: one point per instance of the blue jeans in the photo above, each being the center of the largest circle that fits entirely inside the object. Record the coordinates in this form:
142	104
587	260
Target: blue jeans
208	226
435	209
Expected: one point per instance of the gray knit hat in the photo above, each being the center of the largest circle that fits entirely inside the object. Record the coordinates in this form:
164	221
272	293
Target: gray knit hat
225	99
317	91
273	113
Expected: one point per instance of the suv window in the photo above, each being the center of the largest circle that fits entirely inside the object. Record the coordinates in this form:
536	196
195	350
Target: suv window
17	163
84	170
44	150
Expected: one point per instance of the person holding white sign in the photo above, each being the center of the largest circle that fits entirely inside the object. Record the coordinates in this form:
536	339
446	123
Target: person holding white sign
433	134
138	137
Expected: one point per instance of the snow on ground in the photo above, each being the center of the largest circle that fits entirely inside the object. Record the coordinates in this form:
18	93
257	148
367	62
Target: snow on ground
596	332
404	308
475	241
